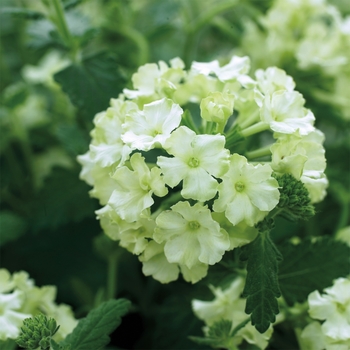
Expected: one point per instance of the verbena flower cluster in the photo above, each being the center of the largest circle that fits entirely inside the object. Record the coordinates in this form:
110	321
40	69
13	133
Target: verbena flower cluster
21	299
312	34
183	163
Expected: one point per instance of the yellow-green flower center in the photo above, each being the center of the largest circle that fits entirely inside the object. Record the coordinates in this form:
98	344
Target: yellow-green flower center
194	225
239	186
193	162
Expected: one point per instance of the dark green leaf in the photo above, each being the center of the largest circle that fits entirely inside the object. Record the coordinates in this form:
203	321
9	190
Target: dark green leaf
309	266
12	227
63	199
261	288
92	83
92	332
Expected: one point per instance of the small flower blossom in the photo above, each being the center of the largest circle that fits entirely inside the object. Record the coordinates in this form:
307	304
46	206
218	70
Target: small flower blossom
247	192
151	127
334	308
199	158
191	235
228	305
273	79
284	112
11	318
217	107
134	189
152	80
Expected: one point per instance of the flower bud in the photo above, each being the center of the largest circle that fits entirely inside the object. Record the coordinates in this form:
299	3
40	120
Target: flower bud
217	107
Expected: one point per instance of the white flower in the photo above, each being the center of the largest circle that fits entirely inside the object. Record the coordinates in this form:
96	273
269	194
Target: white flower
154	263
6	282
239	234
152	79
227	305
151	127
247	192
273	79
299	155
313	338
134	189
334	307
217	107
11	318
107	147
284	112
197	158
190	234
236	69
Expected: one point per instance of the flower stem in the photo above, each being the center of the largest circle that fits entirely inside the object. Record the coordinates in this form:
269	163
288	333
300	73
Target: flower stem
254	129
258	153
112	273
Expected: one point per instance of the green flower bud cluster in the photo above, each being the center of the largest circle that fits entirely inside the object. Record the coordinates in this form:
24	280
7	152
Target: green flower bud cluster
37	332
294	198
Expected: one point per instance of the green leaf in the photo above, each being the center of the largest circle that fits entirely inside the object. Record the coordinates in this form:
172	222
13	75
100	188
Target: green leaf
63	199
12	227
92	83
310	266
92	332
261	288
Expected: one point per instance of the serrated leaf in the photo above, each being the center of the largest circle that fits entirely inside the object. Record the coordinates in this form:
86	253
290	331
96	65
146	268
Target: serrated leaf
92	83
261	288
310	266
62	199
12	226
92	332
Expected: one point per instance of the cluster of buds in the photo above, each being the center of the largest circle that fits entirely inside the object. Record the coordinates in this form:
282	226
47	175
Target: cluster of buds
184	165
37	332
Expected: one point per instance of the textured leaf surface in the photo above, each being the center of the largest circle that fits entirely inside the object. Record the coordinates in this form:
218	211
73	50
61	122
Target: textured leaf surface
310	266
261	289
92	332
92	83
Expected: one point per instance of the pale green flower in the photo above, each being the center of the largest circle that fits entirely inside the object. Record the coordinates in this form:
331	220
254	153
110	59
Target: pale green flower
197	158
334	308
299	155
152	80
191	235
273	79
247	192
151	127
43	73
107	147
135	236
217	107
6	282
284	112
11	318
313	338
228	305
133	191
155	264
239	234
236	69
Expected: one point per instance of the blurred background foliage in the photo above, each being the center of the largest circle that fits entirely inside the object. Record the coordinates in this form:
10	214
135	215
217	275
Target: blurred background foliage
60	64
